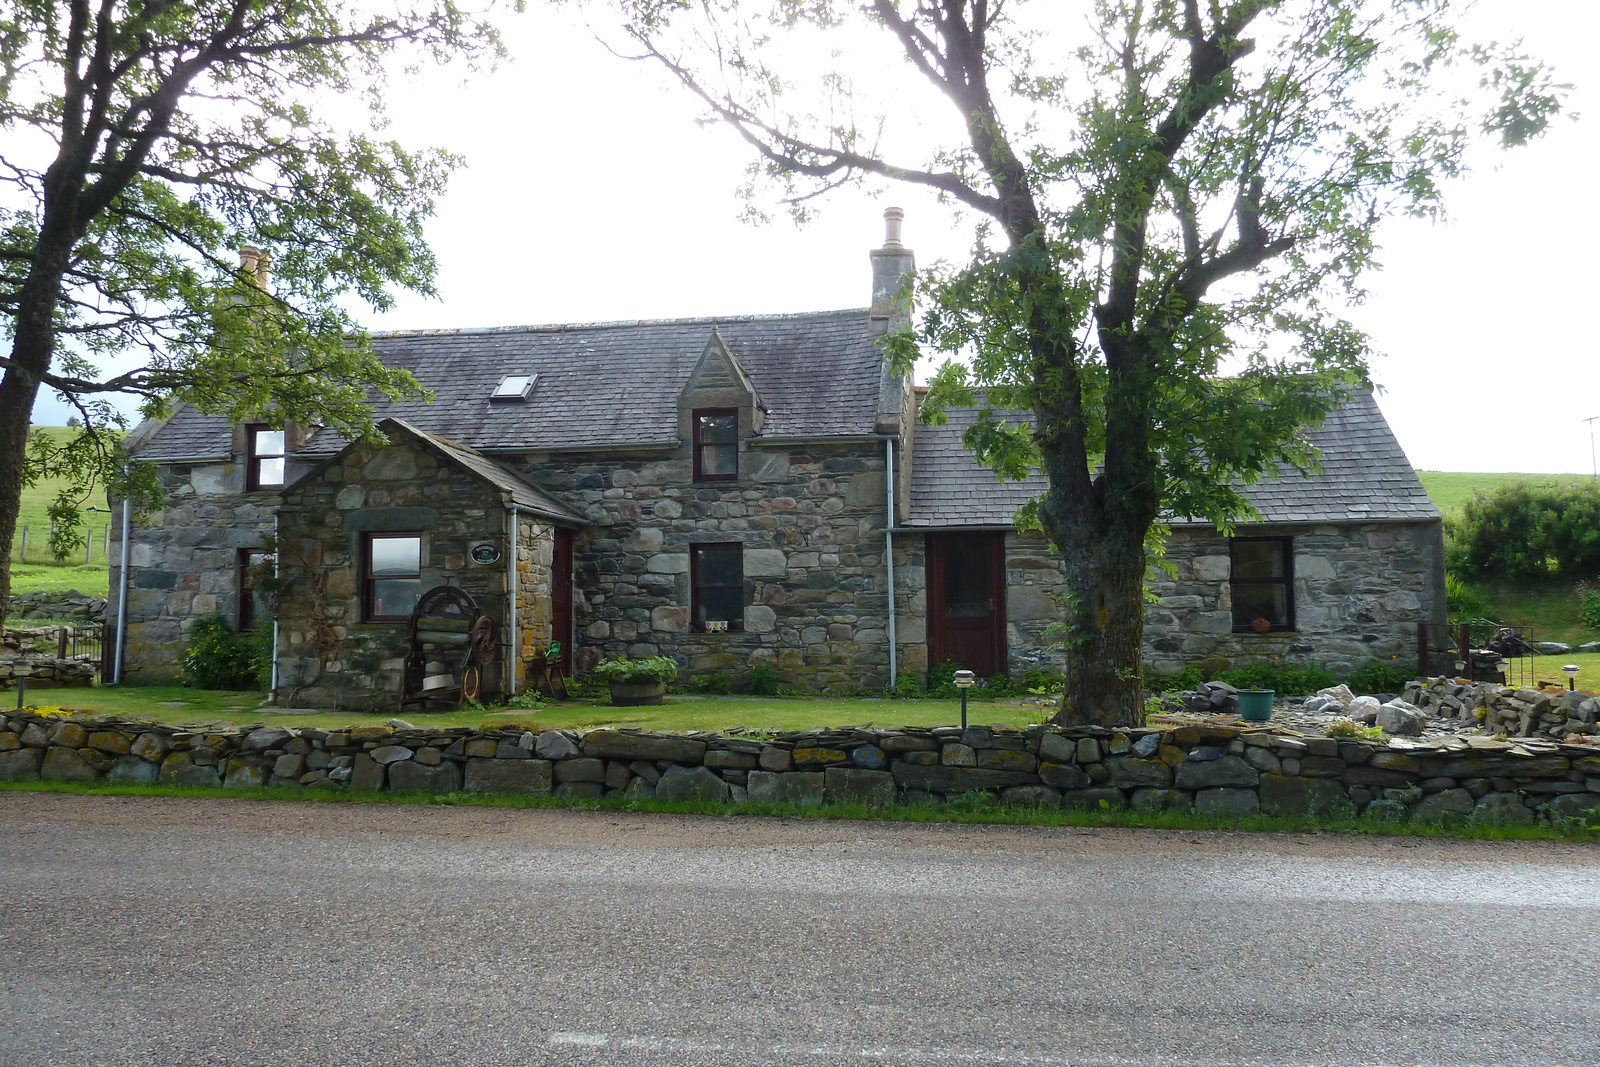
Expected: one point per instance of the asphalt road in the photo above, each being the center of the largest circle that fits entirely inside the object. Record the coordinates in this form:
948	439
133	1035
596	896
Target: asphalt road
176	932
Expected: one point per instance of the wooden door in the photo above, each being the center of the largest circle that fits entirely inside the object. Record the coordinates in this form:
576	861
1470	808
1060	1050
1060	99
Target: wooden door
967	601
561	597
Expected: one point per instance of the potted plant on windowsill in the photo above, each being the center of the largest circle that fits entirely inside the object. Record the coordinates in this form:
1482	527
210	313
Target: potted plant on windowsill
634	682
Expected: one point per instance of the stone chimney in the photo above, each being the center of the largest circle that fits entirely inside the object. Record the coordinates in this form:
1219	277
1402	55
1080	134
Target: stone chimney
890	266
258	263
264	271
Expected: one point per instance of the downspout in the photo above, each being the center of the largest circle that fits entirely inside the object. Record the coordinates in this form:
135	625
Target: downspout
888	557
277	556
515	649
122	598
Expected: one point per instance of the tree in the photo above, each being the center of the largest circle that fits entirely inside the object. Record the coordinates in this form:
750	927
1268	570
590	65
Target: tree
1190	190
147	141
1525	532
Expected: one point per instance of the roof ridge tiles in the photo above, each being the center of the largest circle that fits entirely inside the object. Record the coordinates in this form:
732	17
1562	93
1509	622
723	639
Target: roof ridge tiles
614	324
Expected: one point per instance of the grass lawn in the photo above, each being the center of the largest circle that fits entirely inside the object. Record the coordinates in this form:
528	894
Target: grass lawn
1451	489
38	571
177	704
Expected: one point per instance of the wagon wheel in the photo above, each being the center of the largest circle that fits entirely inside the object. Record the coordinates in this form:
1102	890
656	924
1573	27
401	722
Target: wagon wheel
484	641
471	682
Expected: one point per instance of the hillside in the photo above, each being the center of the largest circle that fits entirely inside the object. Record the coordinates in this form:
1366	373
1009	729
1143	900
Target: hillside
1451	489
39	571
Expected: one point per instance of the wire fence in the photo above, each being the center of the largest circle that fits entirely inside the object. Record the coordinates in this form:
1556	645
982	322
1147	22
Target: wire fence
32	545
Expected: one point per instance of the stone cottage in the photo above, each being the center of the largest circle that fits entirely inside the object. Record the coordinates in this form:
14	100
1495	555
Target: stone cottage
728	492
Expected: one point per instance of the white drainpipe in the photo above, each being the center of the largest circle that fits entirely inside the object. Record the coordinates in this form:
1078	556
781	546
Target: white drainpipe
277	558
511	613
888	556
122	598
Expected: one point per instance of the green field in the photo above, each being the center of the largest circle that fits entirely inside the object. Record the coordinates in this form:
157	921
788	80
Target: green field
1451	489
39	571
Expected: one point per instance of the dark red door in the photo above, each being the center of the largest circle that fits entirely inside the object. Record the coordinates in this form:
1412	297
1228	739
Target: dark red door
561	597
967	601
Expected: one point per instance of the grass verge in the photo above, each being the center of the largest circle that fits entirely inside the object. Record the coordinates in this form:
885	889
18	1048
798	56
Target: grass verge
180	705
962	810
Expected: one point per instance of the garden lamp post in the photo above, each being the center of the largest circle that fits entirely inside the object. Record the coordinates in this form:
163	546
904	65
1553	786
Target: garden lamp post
1571	671
964	680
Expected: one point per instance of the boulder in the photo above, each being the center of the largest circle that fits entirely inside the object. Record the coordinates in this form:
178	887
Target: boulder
553	744
850	785
798	787
508	776
1222	801
132	769
1400	718
1446	802
1031	796
1213	774
63	764
689	783
616	744
21	765
266	737
1363	709
413	777
1339	694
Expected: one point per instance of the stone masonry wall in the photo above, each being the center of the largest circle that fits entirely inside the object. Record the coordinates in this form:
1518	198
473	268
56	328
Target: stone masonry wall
184	560
1359	591
327	655
811	520
1217	769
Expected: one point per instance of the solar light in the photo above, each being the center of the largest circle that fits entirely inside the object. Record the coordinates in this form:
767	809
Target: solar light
964	680
1571	671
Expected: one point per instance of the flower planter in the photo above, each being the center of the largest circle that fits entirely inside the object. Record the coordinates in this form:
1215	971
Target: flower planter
1256	704
634	692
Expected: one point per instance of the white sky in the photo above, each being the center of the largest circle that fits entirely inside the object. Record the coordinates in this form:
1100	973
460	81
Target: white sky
590	195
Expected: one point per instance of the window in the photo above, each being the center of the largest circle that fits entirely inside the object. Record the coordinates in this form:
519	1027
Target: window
392	579
514	387
263	458
1262	584
716	577
716	445
253	564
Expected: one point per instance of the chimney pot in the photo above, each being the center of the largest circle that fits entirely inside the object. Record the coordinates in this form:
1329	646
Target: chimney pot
892	217
249	256
264	271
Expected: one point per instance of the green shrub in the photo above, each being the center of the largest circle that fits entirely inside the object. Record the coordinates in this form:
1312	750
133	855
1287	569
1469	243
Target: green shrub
218	658
1282	678
1181	682
764	680
1523	531
1043	682
1379	676
1589	608
1463	599
906	685
623	669
941	679
715	682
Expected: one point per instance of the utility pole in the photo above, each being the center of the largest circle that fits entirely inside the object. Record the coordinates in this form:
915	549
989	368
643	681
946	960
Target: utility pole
1594	467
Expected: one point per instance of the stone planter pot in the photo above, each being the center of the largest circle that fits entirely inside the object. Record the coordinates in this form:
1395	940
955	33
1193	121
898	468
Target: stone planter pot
635	692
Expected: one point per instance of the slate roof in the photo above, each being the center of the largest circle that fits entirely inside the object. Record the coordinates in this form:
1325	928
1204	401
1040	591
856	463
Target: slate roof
528	497
604	384
1365	477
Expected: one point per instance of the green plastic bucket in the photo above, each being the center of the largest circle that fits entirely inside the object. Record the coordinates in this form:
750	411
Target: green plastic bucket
1256	704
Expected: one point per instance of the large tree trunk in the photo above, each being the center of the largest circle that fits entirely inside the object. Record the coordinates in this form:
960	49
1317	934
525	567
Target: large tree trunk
1105	619
17	391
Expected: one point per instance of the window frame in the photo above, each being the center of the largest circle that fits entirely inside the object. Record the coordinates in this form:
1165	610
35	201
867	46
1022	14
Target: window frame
248	616
696	624
369	580
1286	549
700	474
253	458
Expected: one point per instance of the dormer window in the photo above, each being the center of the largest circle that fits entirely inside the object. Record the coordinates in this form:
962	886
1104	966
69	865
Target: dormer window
716	445
264	457
514	387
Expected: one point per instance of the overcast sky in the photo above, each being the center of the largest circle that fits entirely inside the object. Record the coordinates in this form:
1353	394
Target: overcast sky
591	195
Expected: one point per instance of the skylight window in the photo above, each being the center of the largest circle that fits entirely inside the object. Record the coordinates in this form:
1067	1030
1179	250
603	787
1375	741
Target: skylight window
514	387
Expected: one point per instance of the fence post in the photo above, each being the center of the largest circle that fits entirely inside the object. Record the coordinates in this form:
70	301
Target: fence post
88	549
105	542
61	643
23	557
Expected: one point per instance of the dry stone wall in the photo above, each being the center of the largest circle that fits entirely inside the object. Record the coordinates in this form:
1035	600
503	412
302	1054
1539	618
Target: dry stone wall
1215	769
